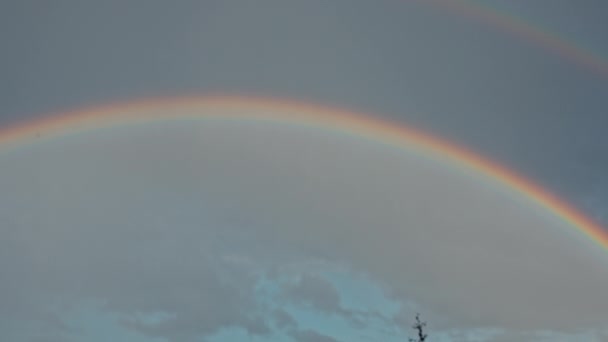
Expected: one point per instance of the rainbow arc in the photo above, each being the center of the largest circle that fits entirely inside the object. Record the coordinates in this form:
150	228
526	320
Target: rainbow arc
258	109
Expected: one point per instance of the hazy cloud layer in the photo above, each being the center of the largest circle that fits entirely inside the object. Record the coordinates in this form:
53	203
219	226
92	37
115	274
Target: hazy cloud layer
187	219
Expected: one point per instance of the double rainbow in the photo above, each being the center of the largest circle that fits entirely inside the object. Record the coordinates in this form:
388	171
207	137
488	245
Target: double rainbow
397	135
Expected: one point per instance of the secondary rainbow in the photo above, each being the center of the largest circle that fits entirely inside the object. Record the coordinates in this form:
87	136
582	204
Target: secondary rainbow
240	108
509	23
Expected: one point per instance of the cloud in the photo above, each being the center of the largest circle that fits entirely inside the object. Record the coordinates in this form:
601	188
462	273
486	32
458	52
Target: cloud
311	336
185	219
284	320
316	292
49	338
541	336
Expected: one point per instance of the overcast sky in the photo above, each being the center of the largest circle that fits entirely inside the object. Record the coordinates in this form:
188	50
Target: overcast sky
505	96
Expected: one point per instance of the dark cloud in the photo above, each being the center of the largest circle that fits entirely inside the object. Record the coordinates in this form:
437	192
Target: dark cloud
207	323
311	336
316	292
50	338
539	336
284	320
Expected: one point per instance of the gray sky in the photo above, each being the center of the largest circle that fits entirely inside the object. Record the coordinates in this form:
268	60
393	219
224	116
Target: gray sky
498	93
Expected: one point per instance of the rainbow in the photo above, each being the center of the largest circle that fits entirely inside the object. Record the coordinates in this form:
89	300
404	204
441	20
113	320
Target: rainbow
510	24
259	109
